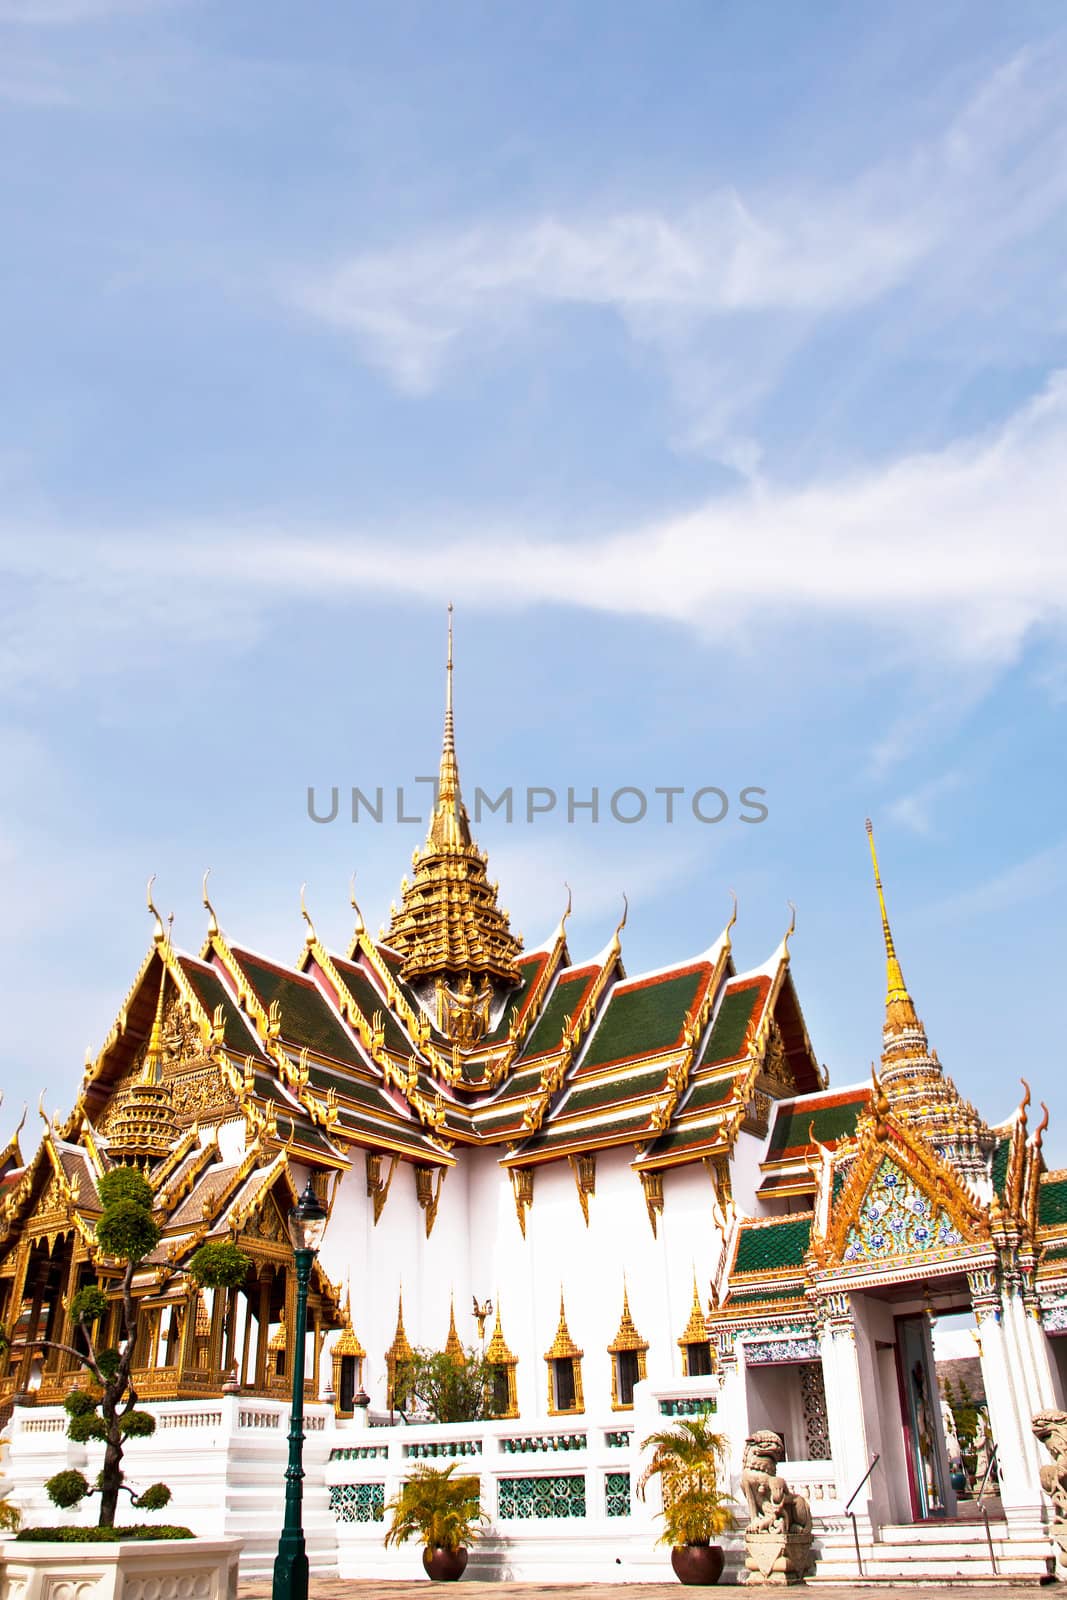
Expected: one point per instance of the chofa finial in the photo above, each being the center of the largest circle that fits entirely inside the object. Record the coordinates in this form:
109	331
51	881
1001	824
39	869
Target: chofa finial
213	921
160	933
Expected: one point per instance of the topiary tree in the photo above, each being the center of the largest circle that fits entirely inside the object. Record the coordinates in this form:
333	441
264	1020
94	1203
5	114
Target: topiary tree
127	1232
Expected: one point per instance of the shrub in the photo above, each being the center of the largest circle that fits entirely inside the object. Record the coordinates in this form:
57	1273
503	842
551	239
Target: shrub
67	1489
127	1231
125	1183
219	1266
139	1530
154	1498
89	1304
137	1424
78	1403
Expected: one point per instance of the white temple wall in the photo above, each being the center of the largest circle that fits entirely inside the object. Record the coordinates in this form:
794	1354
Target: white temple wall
477	1249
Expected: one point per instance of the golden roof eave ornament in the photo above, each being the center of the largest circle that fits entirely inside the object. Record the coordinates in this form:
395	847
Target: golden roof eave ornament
448	923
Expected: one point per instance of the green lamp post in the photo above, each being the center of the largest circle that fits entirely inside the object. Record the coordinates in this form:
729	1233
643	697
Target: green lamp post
307	1223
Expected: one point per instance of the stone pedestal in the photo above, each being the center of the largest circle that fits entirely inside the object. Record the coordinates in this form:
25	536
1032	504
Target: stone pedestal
777	1557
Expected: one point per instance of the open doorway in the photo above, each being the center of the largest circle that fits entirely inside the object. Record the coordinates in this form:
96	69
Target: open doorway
965	1414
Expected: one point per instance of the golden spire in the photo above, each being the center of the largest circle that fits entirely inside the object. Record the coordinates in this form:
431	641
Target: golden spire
448	925
146	1125
898	1002
696	1329
153	1063
453	1344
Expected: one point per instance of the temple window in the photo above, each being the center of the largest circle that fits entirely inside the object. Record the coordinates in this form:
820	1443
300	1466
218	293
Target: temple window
695	1345
696	1359
564	1362
564	1388
627	1351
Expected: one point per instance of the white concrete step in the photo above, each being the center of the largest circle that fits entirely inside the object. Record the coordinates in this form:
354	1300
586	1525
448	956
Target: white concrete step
934	1553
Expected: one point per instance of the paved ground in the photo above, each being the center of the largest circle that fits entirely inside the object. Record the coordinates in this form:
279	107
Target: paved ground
343	1589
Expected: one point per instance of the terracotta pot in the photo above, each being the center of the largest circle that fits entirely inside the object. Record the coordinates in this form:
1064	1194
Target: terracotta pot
697	1563
444	1566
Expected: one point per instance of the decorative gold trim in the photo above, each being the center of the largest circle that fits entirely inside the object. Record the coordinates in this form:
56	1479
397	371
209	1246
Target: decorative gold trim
626	1340
584	1168
428	1194
522	1184
377	1190
453	1344
398	1353
497	1354
563	1348
652	1188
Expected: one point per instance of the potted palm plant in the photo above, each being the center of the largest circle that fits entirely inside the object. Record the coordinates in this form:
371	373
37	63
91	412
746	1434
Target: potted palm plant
441	1510
688	1460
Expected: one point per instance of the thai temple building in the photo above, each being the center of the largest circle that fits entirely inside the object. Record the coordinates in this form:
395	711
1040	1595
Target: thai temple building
639	1194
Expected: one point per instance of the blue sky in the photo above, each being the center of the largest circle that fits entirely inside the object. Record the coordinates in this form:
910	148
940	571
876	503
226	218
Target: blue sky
711	358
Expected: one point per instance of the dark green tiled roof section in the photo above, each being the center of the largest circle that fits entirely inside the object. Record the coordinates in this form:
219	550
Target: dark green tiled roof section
568	995
306	1017
726	1040
1052	1202
764	1297
1001	1151
212	992
531	967
645	1020
710	1092
622	1090
769	1247
687	1136
829	1122
619	1130
370	1002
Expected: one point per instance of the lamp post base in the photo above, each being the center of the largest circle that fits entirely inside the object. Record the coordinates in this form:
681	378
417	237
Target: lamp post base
290	1569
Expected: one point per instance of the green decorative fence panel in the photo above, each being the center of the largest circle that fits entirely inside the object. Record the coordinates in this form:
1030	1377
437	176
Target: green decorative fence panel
358	1502
617	1494
524	1498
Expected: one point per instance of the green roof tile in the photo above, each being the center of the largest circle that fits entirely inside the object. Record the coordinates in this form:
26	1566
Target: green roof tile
727	1038
830	1122
622	1090
1001	1151
212	992
644	1020
769	1246
371	1001
1052	1202
305	1014
566	999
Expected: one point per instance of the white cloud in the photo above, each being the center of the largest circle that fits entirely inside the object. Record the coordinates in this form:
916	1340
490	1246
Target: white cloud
916	809
1030	879
952	557
59	13
728	286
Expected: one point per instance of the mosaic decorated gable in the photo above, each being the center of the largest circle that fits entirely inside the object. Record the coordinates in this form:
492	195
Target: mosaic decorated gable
896	1218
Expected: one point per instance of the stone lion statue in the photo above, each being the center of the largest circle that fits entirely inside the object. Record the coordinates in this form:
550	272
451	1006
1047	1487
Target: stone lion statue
772	1505
1051	1428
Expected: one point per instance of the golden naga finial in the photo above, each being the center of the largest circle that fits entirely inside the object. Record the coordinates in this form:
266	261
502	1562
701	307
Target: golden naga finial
616	938
213	921
309	937
896	988
360	923
570	902
733	915
792	928
160	933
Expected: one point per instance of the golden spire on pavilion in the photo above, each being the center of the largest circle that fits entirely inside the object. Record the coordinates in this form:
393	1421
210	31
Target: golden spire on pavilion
448	924
146	1125
899	1007
912	1081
